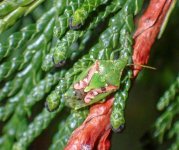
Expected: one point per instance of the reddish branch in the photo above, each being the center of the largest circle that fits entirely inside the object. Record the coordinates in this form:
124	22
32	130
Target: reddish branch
148	28
95	130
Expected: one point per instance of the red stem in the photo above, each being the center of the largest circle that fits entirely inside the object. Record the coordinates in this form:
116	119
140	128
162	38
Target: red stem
94	132
147	31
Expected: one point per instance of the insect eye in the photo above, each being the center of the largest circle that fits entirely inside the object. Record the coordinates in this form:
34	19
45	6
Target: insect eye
80	94
103	89
120	129
76	93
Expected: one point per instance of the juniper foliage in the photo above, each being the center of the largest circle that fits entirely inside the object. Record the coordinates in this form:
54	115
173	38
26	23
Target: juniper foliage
44	46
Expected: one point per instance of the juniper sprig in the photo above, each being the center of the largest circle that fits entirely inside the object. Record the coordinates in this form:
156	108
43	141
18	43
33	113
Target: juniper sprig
166	124
56	45
66	127
13	15
39	124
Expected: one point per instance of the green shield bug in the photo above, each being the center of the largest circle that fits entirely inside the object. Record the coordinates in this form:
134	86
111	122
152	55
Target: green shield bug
95	83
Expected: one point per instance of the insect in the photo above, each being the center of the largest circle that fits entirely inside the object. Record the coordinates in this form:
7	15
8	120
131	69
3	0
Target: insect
95	83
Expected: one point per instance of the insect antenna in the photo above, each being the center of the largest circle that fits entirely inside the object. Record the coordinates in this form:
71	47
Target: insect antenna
144	66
